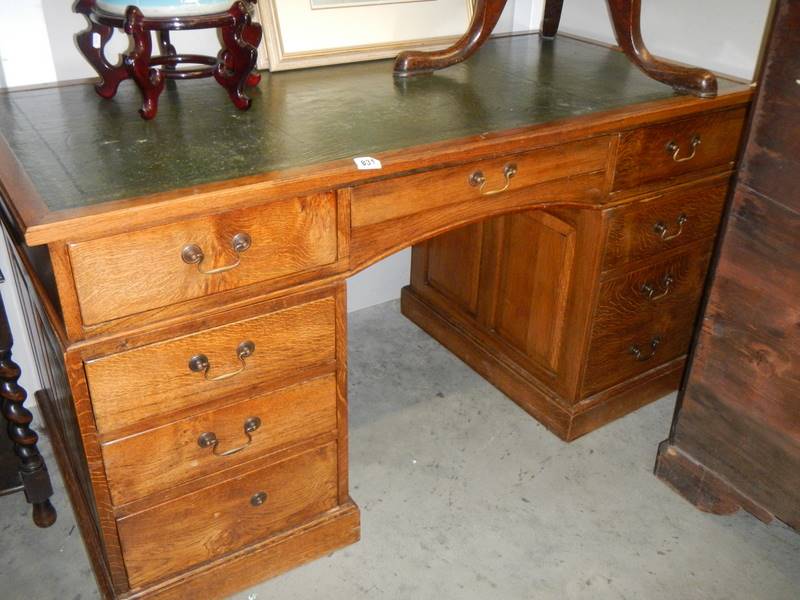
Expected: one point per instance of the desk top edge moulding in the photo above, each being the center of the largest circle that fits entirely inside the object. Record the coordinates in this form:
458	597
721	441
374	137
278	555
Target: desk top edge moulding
187	278
117	197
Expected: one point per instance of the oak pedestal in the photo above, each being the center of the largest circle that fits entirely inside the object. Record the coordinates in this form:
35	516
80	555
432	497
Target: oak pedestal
191	323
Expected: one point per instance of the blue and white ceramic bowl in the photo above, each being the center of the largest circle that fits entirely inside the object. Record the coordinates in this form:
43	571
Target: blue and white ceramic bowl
166	8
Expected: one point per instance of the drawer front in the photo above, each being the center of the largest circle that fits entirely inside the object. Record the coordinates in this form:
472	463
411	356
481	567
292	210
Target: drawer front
659	152
648	229
403	196
197	446
222	518
134	272
177	374
645	318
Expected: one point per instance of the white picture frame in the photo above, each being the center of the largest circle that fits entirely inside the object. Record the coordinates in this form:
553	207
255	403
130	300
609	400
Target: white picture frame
297	34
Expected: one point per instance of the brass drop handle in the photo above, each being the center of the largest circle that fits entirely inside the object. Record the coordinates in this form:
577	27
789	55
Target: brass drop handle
209	438
662	230
641	356
674	148
199	363
192	254
649	289
258	498
478	180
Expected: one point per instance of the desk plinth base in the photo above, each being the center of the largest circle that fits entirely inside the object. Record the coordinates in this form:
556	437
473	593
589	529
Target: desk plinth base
527	392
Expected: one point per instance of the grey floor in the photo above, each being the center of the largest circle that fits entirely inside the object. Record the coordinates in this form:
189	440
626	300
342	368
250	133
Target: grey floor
464	496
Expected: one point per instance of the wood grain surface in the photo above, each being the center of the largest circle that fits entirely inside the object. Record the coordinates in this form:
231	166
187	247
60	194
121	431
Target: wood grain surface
537	267
453	265
404	196
626	315
131	273
214	521
632	231
746	369
285	341
158	458
643	153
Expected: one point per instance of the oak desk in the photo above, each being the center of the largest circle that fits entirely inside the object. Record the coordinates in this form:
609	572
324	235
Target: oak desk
186	278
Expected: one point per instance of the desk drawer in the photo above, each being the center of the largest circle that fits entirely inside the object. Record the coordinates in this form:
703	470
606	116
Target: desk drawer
130	273
652	310
659	152
156	459
650	228
403	196
222	518
164	377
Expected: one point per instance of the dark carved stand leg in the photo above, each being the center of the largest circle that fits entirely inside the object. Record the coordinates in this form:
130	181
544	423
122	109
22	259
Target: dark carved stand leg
32	470
625	16
237	59
111	75
167	49
149	79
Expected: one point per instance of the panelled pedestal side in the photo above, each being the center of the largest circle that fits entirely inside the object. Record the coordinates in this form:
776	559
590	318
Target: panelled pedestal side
582	314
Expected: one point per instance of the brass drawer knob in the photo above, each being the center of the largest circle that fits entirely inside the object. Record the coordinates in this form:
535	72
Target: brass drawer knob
193	254
674	149
662	229
209	438
199	363
650	291
641	356
478	180
259	498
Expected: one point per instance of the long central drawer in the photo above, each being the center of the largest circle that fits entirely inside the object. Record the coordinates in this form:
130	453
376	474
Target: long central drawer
473	182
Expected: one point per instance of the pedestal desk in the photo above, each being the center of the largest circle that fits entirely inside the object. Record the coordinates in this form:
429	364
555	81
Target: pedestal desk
186	277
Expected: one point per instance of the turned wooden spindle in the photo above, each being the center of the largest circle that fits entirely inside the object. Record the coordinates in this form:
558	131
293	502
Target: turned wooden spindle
32	470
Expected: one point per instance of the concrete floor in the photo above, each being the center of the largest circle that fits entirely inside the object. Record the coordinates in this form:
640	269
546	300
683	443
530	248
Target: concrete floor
464	496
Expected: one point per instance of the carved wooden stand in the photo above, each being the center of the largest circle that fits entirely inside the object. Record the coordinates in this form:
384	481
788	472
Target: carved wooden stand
32	471
232	68
625	16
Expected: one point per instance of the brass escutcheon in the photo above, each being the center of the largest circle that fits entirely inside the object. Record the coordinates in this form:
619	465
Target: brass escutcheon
259	498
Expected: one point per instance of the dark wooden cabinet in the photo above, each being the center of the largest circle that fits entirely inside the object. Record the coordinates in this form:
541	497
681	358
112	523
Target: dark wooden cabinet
735	440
